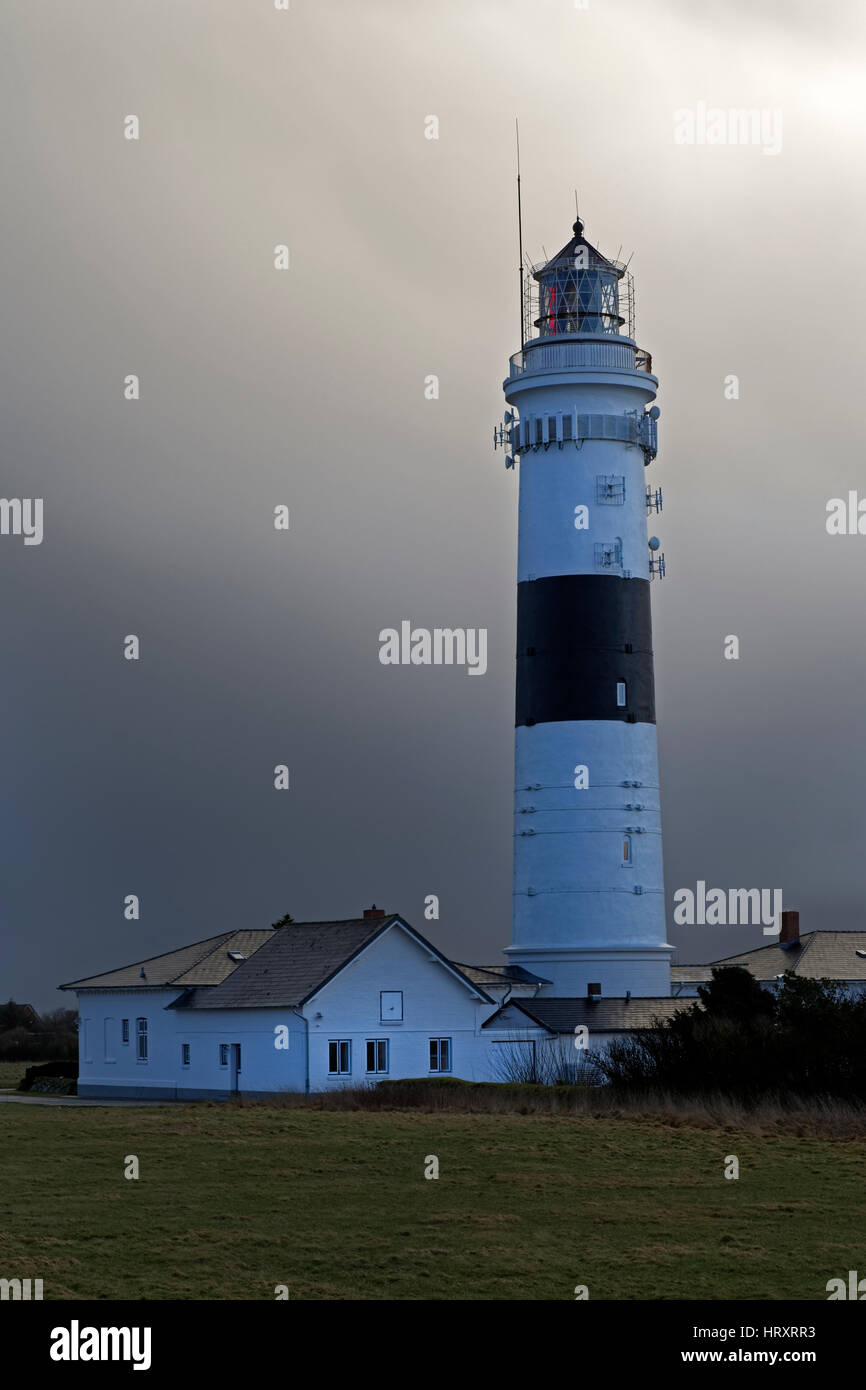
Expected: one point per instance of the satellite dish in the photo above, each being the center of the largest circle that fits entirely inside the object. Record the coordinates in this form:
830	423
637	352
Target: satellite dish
654	542
654	413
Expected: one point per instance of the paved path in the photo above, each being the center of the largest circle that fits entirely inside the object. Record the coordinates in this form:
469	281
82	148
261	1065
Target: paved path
12	1098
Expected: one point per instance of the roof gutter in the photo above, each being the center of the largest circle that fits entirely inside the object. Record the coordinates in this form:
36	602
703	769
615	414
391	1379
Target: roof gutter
306	1050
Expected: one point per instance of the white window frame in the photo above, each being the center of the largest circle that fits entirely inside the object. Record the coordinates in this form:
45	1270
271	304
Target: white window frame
185	1054
224	1054
124	1032
621	695
377	1043
141	1040
340	1043
439	1070
390	994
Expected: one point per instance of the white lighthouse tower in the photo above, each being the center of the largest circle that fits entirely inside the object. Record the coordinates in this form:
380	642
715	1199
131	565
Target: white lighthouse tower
589	910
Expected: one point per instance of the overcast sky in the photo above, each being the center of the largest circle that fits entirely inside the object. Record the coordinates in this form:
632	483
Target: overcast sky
306	387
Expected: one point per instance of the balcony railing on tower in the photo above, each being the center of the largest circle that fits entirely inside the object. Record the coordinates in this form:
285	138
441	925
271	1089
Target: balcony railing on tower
550	355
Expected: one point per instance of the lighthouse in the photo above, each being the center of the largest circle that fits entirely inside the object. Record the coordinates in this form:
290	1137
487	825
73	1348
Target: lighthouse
589	911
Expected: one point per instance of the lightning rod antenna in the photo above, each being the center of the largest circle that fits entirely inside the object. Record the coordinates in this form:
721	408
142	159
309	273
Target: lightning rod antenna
519	231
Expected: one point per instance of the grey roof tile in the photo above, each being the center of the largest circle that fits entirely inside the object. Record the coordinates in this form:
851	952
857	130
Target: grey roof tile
159	970
217	966
296	960
499	974
603	1016
281	968
829	955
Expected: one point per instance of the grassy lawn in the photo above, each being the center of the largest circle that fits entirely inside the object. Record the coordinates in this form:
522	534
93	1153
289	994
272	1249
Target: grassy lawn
11	1073
231	1202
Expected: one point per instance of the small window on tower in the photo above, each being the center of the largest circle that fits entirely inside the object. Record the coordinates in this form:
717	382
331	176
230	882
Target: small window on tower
626	849
621	694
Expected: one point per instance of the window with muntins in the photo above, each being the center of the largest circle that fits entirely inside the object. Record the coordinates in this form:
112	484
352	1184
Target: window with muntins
377	1054
339	1057
440	1054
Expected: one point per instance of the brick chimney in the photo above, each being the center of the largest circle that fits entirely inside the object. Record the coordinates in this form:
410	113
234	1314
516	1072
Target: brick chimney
593	992
790	933
374	913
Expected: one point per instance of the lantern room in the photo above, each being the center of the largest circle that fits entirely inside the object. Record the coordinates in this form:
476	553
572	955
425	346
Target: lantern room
579	291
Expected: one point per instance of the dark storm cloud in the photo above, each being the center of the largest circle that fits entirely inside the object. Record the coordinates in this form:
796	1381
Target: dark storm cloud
306	389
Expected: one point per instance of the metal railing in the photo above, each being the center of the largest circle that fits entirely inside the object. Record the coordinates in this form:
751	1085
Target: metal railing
564	356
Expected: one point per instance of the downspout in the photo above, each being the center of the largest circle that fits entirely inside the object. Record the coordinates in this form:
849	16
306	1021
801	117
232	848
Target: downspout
306	1050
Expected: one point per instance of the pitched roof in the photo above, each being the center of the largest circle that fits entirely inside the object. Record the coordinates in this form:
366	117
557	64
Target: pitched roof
499	974
205	962
827	955
602	1016
299	959
569	251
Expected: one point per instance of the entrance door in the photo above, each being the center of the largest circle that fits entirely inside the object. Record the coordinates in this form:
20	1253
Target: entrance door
235	1066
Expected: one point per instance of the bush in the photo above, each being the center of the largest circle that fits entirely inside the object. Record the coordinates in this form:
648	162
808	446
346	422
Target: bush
806	1039
49	1071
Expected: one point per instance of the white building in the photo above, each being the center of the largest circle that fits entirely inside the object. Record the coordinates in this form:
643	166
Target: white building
305	1007
839	956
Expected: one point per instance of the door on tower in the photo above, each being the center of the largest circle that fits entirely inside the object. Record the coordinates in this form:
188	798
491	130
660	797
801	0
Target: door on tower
235	1066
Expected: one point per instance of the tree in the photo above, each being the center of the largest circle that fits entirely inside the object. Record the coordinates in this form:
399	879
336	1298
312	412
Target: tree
733	992
14	1015
284	921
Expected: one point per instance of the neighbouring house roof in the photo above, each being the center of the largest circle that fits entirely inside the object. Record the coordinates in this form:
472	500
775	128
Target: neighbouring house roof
299	959
691	974
818	955
205	962
602	1016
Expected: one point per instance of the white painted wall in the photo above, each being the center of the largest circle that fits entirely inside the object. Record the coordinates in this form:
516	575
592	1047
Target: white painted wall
263	1066
436	1004
577	917
581	914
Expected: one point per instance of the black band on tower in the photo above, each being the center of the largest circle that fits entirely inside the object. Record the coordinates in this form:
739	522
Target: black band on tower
578	636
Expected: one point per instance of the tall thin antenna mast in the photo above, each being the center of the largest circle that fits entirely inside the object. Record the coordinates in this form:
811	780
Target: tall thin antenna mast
520	232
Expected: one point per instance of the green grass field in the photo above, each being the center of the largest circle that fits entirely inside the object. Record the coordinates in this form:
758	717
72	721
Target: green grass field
233	1201
11	1073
